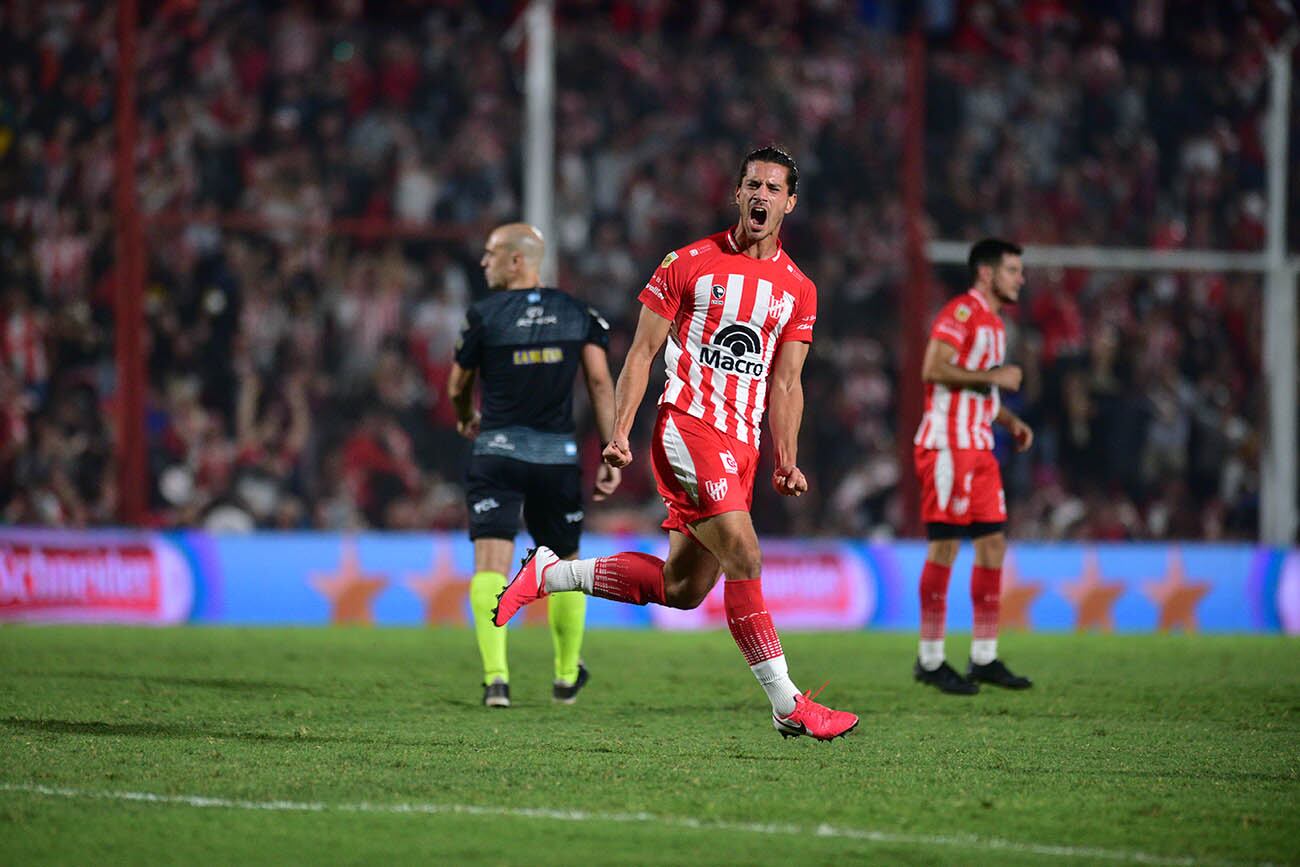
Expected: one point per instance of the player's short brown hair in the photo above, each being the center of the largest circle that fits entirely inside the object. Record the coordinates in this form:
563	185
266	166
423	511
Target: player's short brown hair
771	154
990	251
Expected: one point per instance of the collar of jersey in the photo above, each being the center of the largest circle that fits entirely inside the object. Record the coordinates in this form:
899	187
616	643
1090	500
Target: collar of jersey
979	299
731	242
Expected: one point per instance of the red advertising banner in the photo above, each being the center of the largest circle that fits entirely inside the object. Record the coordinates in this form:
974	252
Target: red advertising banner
92	578
806	585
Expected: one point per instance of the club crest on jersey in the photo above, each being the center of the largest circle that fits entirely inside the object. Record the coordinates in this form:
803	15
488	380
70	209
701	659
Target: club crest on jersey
668	260
781	307
716	489
729	463
962	313
719	293
730	348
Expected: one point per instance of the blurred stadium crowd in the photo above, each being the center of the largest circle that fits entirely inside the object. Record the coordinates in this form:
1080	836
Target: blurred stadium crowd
296	374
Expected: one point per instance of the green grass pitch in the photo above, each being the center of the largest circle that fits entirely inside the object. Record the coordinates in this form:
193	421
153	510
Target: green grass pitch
218	745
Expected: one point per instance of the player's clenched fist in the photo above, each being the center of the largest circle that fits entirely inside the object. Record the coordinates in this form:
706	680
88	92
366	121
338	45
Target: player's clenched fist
789	481
469	428
617	453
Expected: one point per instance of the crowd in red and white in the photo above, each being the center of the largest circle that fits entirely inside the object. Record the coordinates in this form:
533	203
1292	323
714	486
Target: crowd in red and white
296	370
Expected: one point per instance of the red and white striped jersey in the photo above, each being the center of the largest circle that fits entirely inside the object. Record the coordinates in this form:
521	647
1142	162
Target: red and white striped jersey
730	313
962	418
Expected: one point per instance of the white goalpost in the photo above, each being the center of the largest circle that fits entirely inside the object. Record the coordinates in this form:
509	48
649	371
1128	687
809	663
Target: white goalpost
1278	507
539	129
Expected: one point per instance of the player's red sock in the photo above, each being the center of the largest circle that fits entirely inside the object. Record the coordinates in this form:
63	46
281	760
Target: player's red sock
750	624
986	599
629	577
934	600
754	633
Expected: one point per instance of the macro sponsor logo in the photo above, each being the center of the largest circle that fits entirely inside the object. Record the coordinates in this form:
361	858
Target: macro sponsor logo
574	517
485	505
543	355
728	350
81	578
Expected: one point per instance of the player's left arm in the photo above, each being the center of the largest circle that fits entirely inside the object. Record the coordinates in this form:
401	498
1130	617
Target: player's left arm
460	388
600	385
786	414
1022	433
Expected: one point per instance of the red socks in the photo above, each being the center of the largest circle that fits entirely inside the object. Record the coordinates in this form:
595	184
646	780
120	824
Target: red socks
750	624
986	598
934	600
629	577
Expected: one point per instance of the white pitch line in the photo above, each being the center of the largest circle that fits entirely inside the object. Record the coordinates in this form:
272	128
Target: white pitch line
959	841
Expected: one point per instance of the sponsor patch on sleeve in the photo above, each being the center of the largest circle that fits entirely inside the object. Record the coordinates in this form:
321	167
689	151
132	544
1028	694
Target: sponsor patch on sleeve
668	260
950	331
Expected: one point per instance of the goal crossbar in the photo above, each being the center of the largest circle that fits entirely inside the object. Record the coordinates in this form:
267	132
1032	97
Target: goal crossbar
1119	258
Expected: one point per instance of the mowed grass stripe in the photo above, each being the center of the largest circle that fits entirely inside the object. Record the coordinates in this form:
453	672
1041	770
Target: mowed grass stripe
958	841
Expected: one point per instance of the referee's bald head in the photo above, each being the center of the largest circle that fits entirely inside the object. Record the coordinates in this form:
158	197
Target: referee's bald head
512	257
524	239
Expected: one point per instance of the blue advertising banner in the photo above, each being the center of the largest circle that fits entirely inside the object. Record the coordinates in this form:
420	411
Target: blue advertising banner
423	578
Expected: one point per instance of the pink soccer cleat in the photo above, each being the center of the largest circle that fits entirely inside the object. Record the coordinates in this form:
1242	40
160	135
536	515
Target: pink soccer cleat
527	585
815	720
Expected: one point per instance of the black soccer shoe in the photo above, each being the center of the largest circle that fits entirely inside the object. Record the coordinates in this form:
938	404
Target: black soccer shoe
496	694
568	694
997	673
946	679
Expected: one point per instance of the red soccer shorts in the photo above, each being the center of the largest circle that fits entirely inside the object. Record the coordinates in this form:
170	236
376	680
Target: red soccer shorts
960	486
700	471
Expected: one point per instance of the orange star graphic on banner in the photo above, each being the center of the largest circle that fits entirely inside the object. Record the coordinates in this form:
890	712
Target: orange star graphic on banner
1175	596
442	590
1093	597
349	590
1016	597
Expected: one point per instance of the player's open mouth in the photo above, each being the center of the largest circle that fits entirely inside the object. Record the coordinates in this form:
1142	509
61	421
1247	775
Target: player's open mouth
757	217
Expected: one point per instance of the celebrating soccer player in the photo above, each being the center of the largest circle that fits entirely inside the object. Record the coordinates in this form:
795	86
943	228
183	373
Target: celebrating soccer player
525	343
737	315
961	486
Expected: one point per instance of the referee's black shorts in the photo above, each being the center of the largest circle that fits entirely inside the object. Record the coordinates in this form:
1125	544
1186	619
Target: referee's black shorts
549	495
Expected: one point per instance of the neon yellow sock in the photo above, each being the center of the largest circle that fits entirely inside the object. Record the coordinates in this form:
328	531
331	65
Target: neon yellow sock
483	590
568	616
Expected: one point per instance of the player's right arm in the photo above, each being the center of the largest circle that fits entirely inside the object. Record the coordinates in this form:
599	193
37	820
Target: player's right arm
651	332
939	367
464	370
460	388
